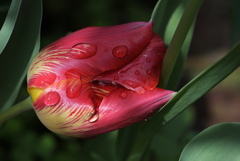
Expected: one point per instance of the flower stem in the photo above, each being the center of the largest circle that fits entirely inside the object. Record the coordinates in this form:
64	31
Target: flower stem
177	41
16	109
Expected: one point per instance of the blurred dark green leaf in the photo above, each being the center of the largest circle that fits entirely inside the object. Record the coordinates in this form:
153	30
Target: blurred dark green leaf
218	143
235	22
9	24
169	141
125	141
20	49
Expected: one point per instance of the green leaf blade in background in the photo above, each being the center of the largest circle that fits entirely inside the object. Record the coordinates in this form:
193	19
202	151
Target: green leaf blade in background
218	143
234	21
166	16
187	20
196	88
8	26
20	50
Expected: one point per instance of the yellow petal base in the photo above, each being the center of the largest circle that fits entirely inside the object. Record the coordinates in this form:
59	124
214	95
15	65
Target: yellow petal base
34	93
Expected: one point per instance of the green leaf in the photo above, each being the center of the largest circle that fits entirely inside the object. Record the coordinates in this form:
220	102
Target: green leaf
196	88
125	141
8	26
234	19
162	14
218	143
166	16
20	50
178	39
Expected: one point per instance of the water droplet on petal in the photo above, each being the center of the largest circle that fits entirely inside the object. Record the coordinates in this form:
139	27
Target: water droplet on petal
94	118
123	95
116	78
120	51
130	39
149	71
132	43
88	116
130	83
82	51
148	60
74	89
140	90
51	98
106	50
137	72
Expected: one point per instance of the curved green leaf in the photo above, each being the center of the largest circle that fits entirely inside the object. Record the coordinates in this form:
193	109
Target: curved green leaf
9	24
218	143
19	51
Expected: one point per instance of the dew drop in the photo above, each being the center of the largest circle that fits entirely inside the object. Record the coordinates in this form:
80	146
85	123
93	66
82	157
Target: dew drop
94	118
83	51
106	50
137	72
112	105
130	39
130	83
149	71
88	116
120	51
132	43
148	60
123	95
73	89
116	78
51	98
140	90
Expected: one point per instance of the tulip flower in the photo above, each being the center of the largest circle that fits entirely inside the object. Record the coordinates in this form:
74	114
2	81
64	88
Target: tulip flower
98	79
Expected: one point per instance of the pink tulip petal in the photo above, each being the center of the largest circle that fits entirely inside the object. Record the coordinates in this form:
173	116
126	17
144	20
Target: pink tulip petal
123	107
141	73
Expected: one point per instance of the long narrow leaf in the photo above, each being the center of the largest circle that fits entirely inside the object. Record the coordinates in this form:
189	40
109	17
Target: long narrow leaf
234	19
8	26
22	45
177	41
194	90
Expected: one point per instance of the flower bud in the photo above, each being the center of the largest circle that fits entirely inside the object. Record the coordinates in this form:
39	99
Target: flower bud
98	79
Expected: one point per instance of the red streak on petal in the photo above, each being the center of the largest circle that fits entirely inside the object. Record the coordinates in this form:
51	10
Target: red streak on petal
73	73
42	80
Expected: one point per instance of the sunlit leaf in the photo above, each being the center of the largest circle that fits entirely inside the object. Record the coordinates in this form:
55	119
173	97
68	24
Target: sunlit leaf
218	143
